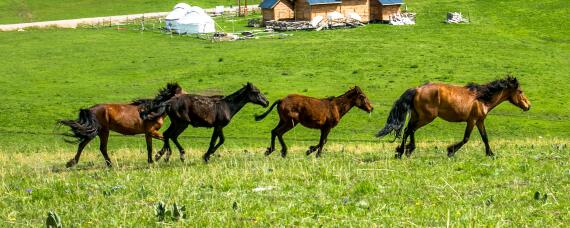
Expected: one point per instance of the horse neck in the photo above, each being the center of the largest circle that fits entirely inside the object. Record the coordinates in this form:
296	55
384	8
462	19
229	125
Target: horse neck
236	101
344	103
497	100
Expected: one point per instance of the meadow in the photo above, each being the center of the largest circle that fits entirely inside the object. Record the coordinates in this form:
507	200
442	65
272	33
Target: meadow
48	75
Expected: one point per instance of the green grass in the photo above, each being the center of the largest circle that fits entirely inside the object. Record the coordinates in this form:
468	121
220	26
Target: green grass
360	186
21	11
49	74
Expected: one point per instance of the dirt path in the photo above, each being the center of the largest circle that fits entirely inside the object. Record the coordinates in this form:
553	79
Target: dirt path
73	23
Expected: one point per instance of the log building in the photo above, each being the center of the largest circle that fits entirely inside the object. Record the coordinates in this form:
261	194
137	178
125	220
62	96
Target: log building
306	10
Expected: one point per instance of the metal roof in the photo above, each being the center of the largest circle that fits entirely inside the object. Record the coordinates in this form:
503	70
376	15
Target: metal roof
268	4
319	2
391	2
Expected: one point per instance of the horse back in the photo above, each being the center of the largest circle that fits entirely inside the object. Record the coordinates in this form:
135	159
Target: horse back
309	111
197	110
121	118
450	102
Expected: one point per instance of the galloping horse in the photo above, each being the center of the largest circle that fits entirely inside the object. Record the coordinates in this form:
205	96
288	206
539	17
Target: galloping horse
323	114
122	118
206	111
470	103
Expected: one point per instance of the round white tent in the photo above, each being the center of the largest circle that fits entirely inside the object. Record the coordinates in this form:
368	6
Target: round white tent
189	20
179	11
196	21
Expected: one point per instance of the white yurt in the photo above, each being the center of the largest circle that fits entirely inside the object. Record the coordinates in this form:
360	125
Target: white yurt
196	21
180	10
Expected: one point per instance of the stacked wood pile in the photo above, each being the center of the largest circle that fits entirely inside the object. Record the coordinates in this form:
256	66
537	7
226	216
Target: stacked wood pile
403	19
254	22
456	18
288	25
306	25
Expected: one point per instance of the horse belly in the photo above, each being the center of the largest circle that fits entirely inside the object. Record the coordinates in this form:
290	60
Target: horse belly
454	114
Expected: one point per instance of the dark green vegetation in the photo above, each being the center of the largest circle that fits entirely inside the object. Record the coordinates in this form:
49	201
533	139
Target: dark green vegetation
49	74
21	11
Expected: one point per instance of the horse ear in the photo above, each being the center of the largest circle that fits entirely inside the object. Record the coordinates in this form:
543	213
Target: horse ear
249	85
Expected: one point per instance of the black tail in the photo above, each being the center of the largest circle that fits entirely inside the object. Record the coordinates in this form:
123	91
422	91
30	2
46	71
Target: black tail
262	116
398	114
84	128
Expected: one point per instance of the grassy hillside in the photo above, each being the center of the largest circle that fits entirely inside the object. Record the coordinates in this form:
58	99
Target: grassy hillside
49	74
21	11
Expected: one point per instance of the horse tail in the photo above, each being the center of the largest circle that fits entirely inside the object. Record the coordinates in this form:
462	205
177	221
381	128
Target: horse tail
398	114
84	128
262	116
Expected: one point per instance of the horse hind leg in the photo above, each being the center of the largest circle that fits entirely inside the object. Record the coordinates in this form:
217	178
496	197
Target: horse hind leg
148	139
80	148
284	129
271	147
103	138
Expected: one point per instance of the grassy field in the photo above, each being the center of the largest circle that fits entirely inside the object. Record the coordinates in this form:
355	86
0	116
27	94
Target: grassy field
21	11
49	74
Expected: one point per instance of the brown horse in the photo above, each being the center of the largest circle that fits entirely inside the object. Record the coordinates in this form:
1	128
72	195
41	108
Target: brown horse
323	114
122	118
470	103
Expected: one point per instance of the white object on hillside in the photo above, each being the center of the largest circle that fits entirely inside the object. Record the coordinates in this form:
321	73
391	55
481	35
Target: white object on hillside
403	19
334	16
186	19
456	18
354	16
219	10
261	189
316	21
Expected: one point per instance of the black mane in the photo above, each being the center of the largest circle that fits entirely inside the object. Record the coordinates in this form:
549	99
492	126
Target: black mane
156	106
486	92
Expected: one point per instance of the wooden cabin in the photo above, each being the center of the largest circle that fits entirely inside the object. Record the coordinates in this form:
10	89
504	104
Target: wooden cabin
381	10
306	10
277	10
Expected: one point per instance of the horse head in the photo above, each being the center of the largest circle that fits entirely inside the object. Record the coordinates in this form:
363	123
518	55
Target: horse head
517	96
255	95
361	100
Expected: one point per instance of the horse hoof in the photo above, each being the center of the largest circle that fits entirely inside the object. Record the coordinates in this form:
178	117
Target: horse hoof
283	155
398	156
399	149
70	163
268	151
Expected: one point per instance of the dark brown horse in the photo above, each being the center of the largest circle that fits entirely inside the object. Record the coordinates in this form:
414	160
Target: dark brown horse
469	104
206	111
323	114
122	118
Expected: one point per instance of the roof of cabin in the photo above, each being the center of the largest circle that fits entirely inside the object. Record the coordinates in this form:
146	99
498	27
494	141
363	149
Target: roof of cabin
268	4
318	2
391	2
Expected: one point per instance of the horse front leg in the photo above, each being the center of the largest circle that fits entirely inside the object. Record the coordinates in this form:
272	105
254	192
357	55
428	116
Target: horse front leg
212	147
483	132
166	146
455	147
323	140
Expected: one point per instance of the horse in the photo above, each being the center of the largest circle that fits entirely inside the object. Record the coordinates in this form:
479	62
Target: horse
470	104
125	119
323	114
206	111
